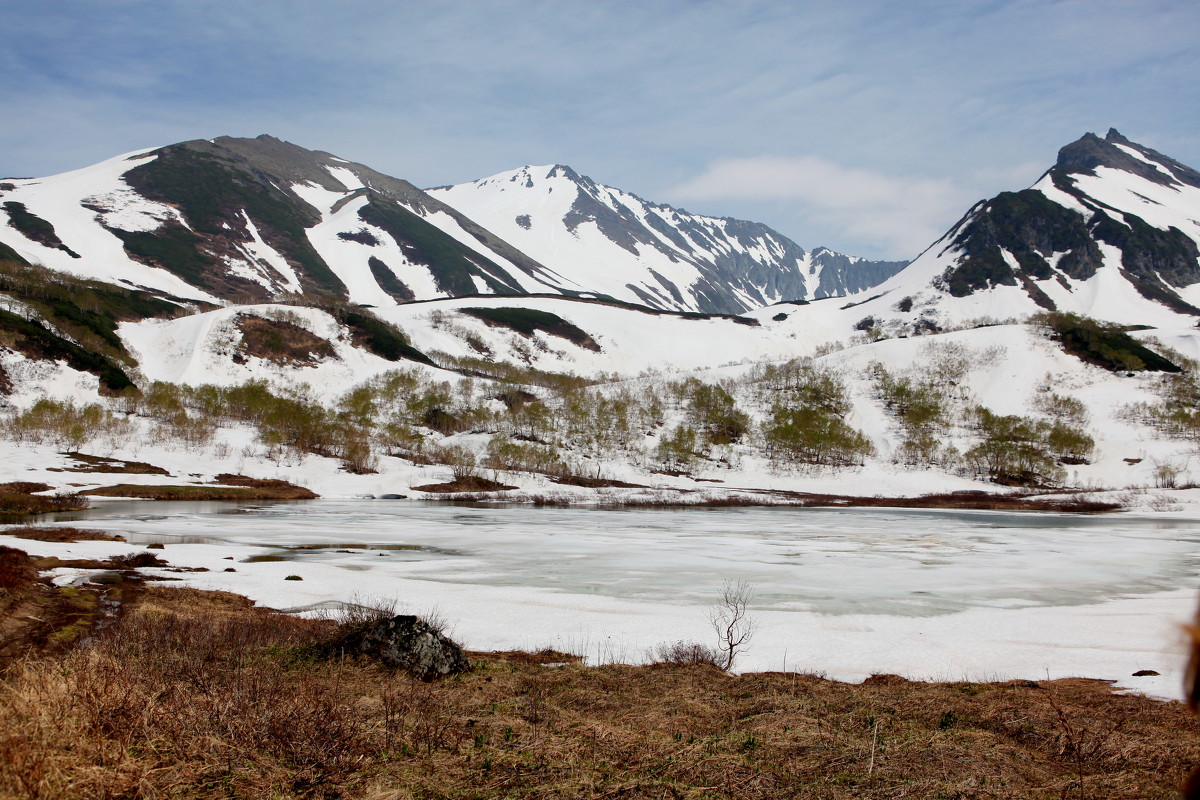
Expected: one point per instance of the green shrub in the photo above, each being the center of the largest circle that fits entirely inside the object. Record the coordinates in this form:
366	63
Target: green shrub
677	450
714	412
1014	451
522	457
1103	344
813	435
526	321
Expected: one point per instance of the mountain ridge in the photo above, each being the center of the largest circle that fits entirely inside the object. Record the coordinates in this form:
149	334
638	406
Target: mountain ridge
253	219
694	261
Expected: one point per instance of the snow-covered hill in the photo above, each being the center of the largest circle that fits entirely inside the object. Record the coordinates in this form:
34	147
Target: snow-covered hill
602	239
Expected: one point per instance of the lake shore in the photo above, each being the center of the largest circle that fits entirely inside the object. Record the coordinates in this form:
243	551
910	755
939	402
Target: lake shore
204	694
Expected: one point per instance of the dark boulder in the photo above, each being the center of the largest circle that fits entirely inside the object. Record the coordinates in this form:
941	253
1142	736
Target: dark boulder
409	643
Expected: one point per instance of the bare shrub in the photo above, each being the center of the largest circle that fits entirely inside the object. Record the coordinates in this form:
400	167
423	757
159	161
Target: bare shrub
1166	474
684	652
730	620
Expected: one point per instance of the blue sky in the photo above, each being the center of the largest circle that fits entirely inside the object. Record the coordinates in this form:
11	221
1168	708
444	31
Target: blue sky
868	127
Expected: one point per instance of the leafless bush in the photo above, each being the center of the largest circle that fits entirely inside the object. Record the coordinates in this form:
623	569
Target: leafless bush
684	652
730	620
364	611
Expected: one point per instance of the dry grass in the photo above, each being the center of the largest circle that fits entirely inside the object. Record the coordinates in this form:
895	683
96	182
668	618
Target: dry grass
194	694
970	500
467	483
280	342
17	501
90	463
24	487
242	488
64	534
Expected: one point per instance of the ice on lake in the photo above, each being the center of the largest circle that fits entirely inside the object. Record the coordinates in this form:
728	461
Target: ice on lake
847	592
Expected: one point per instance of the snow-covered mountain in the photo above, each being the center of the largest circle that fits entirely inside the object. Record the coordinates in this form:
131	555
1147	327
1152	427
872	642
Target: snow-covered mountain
248	220
609	241
1111	231
183	247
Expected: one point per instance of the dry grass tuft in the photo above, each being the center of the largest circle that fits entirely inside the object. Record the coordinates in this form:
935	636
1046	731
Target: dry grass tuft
467	483
17	501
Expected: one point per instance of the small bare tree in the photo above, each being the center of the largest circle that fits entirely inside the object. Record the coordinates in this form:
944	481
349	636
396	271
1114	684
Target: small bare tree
730	620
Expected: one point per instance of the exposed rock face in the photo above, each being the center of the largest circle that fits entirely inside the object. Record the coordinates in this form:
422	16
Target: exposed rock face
409	643
1055	229
842	275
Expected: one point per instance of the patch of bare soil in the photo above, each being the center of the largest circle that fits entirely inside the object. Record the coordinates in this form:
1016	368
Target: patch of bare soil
280	342
90	463
472	483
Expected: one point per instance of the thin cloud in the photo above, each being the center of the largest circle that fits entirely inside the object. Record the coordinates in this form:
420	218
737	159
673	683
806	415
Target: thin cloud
902	215
637	95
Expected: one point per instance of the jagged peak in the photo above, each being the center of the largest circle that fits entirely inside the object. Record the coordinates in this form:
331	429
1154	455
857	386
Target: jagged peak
563	171
1089	152
1115	137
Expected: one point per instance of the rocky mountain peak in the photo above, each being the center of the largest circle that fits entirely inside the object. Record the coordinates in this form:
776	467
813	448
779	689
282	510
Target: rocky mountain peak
564	171
1115	151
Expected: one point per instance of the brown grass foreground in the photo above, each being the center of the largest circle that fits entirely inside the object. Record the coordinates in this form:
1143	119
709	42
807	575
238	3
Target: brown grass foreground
193	694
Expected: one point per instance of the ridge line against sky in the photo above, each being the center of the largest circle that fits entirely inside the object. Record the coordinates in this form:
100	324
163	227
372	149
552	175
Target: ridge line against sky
868	127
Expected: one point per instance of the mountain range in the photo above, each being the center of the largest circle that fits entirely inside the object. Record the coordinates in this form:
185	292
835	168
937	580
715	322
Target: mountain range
240	220
163	251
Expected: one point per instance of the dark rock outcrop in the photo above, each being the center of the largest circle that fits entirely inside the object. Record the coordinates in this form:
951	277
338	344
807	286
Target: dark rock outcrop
408	643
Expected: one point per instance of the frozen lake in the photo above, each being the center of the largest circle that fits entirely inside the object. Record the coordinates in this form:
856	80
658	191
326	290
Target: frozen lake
848	592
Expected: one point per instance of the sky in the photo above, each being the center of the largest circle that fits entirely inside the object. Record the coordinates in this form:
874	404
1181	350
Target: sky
868	126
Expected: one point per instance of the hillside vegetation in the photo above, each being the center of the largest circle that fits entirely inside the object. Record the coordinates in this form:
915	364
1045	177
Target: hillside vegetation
800	416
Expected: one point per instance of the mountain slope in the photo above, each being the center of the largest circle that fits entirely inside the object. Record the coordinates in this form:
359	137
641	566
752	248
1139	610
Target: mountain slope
1110	231
248	219
609	241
